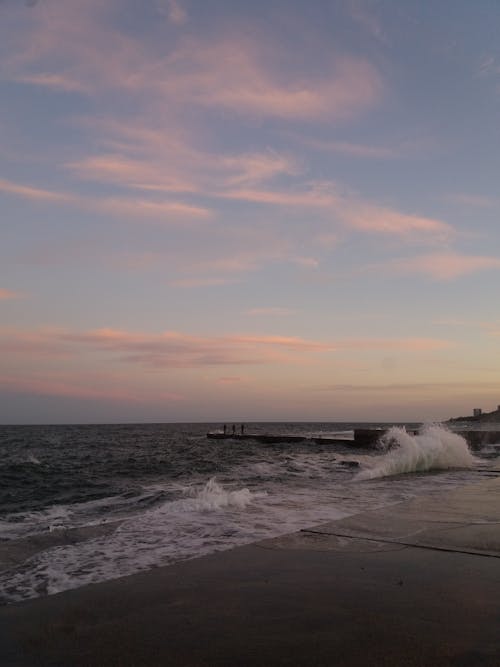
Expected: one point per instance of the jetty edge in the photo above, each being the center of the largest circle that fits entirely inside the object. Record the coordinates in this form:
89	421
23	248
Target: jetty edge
362	437
413	584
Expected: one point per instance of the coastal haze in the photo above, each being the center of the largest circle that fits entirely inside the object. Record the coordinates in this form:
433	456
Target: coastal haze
234	211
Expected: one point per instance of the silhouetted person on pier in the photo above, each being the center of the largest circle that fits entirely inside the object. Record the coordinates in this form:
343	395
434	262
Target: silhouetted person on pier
242	429
225	429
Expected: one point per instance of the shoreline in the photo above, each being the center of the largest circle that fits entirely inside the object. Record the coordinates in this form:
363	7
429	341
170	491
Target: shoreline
414	583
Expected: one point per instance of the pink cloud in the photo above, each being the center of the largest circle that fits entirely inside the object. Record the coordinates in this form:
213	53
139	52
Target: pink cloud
179	350
353	149
240	75
7	294
309	198
382	220
138	208
39	344
252	168
169	349
55	81
76	388
259	247
155	163
28	192
64	44
229	380
168	210
78	47
152	174
121	340
351	210
59	362
447	265
175	12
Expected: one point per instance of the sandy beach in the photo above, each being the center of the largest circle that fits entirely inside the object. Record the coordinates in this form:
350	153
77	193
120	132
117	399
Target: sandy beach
414	584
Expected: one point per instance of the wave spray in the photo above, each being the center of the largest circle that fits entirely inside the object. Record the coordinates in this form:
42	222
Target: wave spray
434	448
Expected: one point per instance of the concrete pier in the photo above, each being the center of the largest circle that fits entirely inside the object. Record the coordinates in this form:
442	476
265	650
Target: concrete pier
362	437
271	438
415	584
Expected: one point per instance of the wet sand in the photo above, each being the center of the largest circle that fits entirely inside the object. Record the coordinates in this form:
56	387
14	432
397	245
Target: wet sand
415	584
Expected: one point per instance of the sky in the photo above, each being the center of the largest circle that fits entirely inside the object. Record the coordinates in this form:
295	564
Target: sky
217	210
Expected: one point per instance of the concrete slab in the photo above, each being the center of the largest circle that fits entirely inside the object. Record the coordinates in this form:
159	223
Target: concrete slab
465	519
305	600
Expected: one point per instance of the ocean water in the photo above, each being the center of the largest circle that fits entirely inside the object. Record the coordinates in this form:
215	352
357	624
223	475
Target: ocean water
82	504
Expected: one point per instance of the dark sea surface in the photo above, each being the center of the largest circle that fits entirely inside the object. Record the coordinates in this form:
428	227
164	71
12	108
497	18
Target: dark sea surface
85	503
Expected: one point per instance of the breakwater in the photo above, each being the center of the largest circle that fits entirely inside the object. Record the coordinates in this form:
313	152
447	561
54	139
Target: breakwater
362	437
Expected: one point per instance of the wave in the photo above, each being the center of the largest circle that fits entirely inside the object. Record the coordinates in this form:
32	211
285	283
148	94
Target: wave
214	497
434	448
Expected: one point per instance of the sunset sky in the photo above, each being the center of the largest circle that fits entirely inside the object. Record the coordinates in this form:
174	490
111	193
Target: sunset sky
222	210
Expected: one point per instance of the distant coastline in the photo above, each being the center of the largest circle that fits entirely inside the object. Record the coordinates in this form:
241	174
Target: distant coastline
487	417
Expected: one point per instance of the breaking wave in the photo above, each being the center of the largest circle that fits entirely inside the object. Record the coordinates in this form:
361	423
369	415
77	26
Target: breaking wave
214	497
434	448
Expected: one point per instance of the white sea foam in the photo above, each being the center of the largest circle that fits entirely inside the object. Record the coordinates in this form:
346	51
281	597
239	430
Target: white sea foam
204	519
212	496
434	448
23	524
284	493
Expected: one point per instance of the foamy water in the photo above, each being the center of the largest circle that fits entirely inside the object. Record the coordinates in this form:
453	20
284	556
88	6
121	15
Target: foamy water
272	492
434	448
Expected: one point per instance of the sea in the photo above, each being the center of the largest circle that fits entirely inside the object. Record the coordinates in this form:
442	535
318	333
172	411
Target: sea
81	504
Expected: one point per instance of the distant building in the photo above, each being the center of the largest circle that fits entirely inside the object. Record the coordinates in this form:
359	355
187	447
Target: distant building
477	412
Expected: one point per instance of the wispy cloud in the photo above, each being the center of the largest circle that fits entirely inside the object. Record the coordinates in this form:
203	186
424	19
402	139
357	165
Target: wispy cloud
7	294
172	167
363	14
383	220
353	149
445	266
232	76
55	81
167	350
489	66
168	211
179	350
29	192
229	380
151	175
230	73
100	387
175	12
351	210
